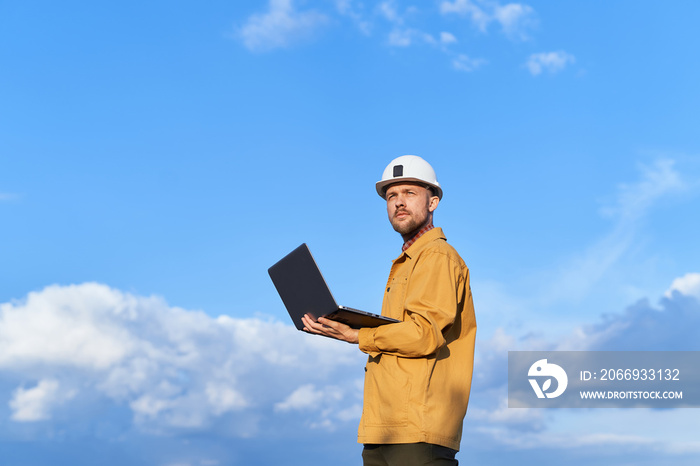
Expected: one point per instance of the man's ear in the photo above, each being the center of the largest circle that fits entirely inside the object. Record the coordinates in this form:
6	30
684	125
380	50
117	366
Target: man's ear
433	203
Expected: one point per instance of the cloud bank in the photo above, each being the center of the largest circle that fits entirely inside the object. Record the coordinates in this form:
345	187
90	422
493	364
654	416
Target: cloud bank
90	358
67	351
170	368
672	326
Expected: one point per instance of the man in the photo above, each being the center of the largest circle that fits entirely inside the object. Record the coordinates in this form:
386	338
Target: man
419	371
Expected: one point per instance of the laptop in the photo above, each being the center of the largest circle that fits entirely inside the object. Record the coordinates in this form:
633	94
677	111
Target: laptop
304	291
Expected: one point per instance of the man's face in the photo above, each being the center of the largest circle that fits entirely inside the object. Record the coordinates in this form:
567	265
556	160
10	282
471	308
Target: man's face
410	206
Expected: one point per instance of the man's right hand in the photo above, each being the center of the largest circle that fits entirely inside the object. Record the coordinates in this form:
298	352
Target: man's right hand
330	328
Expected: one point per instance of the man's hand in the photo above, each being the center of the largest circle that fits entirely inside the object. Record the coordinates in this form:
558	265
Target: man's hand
330	328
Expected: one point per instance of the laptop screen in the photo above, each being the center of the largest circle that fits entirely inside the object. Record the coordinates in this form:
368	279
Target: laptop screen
301	286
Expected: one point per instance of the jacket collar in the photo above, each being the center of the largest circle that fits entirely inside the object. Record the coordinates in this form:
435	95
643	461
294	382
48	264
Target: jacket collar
422	242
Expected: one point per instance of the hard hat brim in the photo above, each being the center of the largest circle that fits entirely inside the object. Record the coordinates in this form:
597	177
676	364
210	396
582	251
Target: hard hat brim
383	185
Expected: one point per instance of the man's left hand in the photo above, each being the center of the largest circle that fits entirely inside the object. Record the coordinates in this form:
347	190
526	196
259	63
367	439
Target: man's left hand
330	328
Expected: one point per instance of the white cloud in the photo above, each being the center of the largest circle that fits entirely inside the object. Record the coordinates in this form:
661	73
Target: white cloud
552	62
150	406
389	11
643	327
344	7
688	284
673	325
568	440
447	38
503	415
464	63
66	326
634	200
35	404
514	18
402	37
223	398
307	397
628	432
353	10
280	26
352	413
478	16
172	368
577	275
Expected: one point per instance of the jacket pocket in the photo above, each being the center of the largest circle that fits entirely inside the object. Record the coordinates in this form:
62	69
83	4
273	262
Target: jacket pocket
386	396
394	297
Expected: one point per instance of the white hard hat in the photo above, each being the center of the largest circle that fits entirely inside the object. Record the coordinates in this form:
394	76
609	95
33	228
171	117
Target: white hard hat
408	168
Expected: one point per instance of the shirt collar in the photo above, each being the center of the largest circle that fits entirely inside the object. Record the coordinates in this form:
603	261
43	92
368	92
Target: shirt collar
420	233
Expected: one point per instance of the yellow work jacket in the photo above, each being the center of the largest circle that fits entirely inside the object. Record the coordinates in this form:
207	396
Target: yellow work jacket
419	371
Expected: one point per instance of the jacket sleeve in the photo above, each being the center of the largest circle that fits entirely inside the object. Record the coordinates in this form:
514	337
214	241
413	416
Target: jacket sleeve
429	308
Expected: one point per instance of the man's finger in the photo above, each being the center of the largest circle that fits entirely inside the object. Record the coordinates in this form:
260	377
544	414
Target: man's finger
328	323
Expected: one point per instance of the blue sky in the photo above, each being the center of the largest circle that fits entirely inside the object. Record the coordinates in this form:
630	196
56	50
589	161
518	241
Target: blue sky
157	158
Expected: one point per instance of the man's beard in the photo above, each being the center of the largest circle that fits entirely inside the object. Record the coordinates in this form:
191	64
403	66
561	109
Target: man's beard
406	227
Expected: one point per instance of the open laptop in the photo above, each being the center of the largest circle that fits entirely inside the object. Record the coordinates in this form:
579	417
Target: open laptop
304	291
